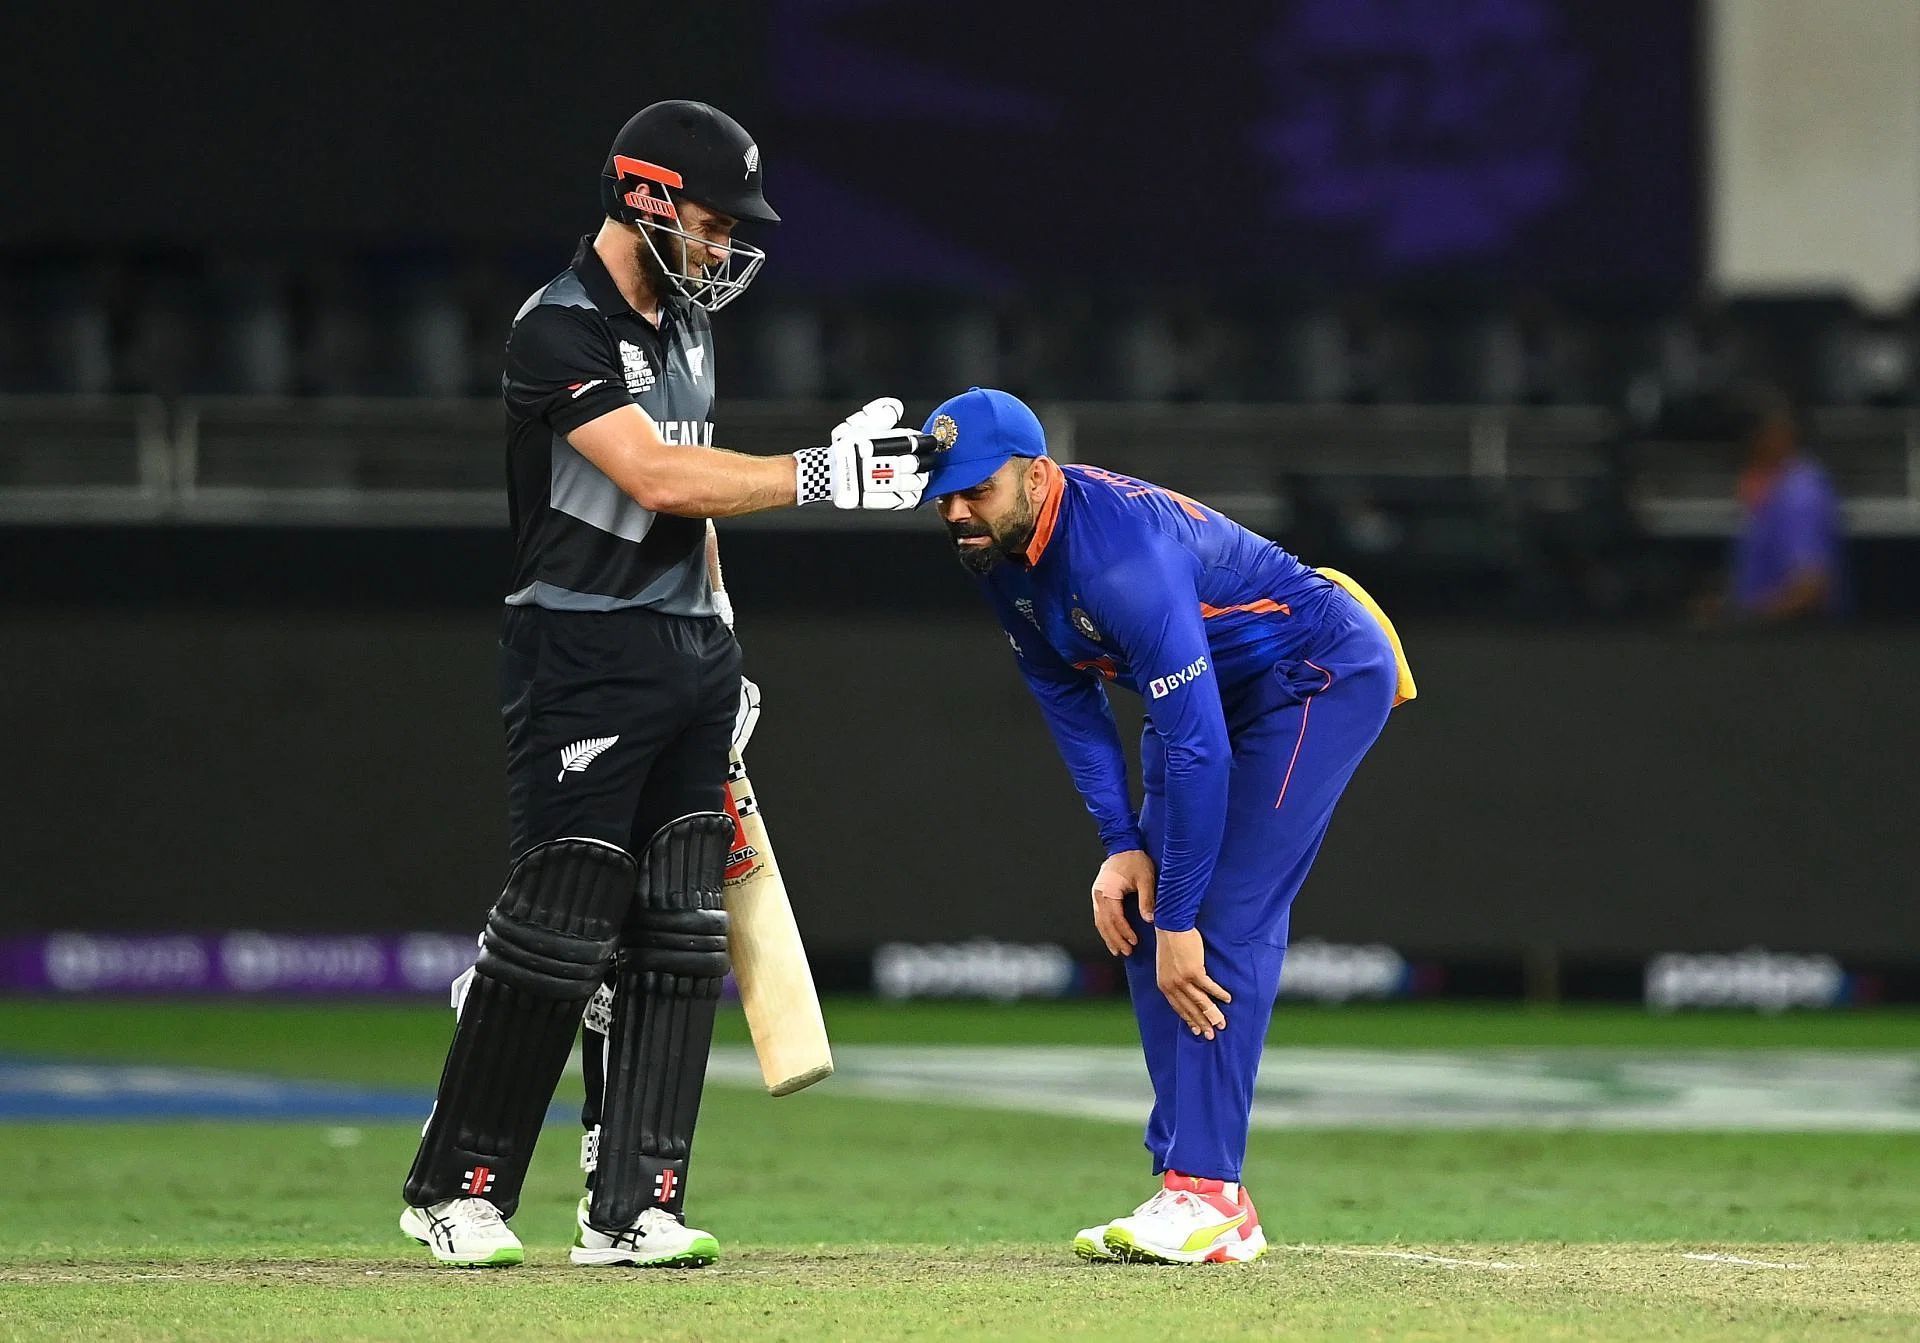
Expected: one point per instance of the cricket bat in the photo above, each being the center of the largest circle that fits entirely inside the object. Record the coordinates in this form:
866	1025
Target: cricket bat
769	960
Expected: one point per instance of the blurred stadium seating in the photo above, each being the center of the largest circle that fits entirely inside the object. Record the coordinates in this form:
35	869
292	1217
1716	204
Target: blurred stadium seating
432	325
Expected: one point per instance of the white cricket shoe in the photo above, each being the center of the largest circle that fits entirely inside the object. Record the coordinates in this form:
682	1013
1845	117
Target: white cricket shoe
1092	1242
1190	1221
464	1233
657	1239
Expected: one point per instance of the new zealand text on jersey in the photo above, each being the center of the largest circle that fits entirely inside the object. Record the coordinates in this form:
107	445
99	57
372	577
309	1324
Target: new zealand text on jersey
695	433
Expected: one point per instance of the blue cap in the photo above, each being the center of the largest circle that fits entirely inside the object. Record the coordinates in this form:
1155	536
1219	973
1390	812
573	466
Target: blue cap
980	430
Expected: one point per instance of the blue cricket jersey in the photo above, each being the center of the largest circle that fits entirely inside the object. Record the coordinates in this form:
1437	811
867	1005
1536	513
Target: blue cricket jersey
1131	583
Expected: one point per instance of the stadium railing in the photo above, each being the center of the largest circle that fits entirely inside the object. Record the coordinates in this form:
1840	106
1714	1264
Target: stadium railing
68	460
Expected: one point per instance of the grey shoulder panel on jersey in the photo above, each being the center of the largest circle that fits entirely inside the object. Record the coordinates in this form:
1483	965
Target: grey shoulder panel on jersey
563	291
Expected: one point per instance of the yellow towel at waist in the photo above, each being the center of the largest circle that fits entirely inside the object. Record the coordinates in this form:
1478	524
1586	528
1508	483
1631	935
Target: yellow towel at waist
1405	690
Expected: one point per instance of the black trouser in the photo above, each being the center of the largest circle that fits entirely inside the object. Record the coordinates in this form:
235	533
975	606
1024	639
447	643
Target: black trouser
666	687
617	726
617	722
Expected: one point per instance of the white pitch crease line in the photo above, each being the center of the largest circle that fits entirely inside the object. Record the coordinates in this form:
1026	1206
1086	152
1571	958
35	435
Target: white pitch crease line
1736	1259
1409	1255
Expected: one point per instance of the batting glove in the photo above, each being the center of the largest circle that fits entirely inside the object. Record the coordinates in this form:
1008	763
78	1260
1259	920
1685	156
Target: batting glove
883	471
876	417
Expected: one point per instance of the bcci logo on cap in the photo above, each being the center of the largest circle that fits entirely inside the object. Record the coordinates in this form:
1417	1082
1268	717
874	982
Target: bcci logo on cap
945	432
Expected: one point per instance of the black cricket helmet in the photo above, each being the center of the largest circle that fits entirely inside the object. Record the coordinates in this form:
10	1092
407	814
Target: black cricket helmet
675	151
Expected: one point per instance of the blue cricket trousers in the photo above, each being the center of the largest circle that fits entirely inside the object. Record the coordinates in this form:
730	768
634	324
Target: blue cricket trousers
1297	739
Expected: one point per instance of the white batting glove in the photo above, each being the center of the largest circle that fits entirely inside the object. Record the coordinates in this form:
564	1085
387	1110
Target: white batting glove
876	417
881	471
747	716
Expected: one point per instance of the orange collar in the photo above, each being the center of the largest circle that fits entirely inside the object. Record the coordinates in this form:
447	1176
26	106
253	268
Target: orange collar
1053	485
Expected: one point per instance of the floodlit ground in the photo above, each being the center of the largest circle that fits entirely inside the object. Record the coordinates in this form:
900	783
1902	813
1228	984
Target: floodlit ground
859	1210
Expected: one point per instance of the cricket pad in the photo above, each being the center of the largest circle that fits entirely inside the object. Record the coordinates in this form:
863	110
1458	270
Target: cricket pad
667	978
548	943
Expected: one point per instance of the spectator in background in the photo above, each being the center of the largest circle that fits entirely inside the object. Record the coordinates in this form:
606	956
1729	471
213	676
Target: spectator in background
1789	555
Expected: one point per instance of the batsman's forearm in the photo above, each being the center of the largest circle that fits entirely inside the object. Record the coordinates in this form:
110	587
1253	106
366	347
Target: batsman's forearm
686	480
714	483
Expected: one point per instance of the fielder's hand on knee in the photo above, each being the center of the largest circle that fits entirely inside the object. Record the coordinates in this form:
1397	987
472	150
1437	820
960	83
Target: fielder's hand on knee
1127	873
1183	977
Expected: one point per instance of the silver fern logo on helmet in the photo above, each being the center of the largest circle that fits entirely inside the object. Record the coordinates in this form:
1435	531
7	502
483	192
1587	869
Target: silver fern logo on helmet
674	152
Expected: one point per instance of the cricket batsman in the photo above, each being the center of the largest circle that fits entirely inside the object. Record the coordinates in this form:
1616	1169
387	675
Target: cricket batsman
1264	682
621	695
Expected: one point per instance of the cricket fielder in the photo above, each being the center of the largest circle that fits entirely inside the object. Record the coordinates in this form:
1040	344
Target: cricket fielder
1264	681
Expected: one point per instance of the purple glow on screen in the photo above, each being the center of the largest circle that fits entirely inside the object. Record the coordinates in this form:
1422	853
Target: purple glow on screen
1346	141
1439	128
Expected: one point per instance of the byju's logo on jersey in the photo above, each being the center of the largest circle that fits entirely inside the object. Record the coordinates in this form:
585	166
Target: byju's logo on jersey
1162	686
639	372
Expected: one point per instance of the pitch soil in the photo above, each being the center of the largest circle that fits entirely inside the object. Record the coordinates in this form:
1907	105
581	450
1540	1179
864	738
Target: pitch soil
1554	1291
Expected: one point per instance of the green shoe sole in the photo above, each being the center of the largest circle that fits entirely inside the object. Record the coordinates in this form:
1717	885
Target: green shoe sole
500	1258
504	1257
697	1255
1092	1250
1121	1245
700	1254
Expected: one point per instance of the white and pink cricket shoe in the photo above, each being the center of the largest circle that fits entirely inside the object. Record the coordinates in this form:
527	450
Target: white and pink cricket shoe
1189	1221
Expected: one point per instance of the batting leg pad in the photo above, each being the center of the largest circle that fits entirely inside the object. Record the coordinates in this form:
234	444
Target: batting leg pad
549	941
666	986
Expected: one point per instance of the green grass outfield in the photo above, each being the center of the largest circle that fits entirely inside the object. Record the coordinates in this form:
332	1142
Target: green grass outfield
858	1218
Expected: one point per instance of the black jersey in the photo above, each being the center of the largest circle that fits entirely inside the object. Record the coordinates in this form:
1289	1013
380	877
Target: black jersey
576	352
